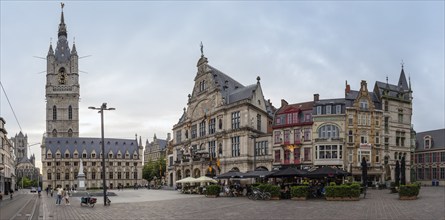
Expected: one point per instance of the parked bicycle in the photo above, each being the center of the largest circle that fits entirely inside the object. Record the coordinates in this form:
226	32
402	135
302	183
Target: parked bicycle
259	195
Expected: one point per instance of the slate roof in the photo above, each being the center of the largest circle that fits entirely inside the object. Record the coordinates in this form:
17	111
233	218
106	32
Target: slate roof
296	107
330	101
352	95
393	90
90	144
437	140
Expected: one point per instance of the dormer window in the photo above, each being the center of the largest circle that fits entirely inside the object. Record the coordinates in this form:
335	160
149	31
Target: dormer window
84	155
76	155
110	155
427	142
93	155
363	104
58	155
67	155
49	155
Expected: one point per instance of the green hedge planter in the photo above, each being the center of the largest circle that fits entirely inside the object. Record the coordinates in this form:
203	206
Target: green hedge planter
299	192
409	192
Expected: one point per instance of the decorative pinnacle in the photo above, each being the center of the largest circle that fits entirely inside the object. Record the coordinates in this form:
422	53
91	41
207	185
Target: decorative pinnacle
402	63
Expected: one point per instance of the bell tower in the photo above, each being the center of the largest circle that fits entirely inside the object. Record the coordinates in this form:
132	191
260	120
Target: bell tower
62	87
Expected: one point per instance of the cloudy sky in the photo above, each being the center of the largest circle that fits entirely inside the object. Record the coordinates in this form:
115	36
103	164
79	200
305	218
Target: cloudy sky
142	56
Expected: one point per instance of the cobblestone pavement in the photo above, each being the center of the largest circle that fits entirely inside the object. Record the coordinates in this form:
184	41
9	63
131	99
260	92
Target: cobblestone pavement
163	204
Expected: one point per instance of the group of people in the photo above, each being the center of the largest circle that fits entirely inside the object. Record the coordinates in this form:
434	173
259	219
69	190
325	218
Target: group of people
62	193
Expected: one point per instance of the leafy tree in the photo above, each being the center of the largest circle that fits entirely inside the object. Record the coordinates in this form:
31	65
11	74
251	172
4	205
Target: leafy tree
154	169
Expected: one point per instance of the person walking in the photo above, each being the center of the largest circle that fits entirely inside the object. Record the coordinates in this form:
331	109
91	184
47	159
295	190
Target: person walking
67	197
59	195
51	191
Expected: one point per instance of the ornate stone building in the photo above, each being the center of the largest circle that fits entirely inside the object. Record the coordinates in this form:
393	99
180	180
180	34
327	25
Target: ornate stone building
7	161
62	149
328	132
364	132
218	129
155	149
292	135
396	101
24	166
430	157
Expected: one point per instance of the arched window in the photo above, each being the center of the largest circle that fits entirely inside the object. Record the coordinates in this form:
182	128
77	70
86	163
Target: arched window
54	113
70	112
70	132
54	133
328	131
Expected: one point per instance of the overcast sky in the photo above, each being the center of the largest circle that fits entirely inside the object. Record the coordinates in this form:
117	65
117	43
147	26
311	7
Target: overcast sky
144	54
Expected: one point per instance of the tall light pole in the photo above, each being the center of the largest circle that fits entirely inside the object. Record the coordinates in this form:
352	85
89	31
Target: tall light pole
101	111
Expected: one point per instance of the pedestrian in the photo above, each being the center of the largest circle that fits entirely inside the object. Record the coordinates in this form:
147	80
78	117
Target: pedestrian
51	191
46	189
67	197
59	195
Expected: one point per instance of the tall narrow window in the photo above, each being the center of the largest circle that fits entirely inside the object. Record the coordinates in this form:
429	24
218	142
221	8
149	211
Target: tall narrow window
400	116
202	128
258	122
235	120
338	109
70	112
54	113
235	146
386	106
350	137
212	126
328	109
318	110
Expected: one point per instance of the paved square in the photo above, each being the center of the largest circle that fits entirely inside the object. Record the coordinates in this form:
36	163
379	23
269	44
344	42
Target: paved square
163	204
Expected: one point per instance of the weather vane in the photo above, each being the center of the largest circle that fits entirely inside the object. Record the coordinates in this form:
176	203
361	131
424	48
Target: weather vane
202	49
62	5
402	63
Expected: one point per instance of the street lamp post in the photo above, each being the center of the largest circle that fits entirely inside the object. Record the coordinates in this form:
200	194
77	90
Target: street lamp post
101	111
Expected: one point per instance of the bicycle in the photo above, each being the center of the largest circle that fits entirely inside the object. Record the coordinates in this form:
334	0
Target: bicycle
258	194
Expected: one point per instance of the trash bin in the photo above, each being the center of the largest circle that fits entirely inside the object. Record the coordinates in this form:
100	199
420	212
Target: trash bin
433	182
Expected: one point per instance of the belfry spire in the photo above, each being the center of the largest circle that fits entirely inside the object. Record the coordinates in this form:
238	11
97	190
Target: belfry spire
62	26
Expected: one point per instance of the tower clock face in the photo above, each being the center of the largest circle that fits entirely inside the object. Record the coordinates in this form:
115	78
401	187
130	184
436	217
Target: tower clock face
62	76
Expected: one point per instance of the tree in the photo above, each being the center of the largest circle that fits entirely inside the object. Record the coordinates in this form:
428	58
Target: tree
154	169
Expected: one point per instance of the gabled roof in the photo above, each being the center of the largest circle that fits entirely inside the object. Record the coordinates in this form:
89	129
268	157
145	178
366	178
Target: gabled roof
352	95
393	90
90	145
437	139
304	106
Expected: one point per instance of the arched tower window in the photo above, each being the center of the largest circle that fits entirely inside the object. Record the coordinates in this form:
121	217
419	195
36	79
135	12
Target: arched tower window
54	133
54	113
70	112
70	132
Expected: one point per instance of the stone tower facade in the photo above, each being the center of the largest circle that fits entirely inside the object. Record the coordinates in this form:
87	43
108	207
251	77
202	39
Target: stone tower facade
20	143
62	87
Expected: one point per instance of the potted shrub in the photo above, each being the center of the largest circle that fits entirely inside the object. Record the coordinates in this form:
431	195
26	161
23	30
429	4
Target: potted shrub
212	191
299	192
409	192
272	189
348	192
392	187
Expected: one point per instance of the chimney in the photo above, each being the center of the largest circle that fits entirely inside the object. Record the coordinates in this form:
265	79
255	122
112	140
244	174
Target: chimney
316	97
348	88
283	103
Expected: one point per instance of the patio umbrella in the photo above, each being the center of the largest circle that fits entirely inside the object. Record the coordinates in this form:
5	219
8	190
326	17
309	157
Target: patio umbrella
230	174
402	173
258	174
289	172
205	179
327	172
186	180
397	173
